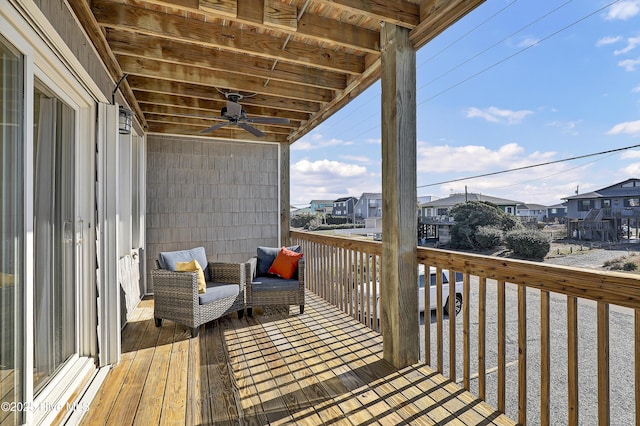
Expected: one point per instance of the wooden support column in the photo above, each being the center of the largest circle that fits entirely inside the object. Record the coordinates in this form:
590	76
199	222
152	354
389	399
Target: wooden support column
399	285
285	189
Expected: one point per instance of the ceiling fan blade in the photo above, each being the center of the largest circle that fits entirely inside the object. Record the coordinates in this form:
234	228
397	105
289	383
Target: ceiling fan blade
268	120
214	127
251	129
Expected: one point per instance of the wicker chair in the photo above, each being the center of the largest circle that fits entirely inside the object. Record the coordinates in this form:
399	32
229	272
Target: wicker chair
176	296
263	290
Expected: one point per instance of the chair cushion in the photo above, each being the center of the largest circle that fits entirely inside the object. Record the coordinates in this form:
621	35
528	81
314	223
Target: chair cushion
217	291
285	264
191	267
273	284
266	256
168	259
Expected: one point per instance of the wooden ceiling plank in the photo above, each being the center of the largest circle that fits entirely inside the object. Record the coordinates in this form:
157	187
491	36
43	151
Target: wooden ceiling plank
351	36
225	133
296	109
220	79
141	45
211	108
228	8
203	123
398	12
280	15
168	26
437	16
153	108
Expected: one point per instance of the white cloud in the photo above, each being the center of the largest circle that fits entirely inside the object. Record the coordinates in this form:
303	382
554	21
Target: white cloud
628	127
474	158
623	10
632	42
328	179
630	155
629	64
528	42
329	167
566	127
497	115
604	41
632	169
317	141
636	89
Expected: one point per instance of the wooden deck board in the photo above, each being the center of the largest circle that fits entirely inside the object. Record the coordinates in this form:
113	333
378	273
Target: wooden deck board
322	367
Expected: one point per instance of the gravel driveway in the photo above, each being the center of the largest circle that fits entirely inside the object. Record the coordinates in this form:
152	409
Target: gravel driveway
621	349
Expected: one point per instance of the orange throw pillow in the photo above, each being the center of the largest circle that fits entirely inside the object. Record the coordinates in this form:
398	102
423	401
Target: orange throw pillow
285	264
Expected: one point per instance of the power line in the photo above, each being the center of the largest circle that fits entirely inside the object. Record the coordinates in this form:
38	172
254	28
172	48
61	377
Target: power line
496	44
482	71
447	47
531	166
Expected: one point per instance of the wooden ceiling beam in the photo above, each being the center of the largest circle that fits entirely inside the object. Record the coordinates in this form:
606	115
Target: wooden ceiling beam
311	26
85	16
355	87
301	109
437	16
398	12
145	46
172	27
220	79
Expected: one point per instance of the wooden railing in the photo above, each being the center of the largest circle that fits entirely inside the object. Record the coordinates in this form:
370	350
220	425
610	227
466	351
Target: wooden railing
544	338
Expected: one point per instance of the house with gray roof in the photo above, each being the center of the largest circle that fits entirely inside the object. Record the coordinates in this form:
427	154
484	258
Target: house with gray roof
531	213
603	214
436	222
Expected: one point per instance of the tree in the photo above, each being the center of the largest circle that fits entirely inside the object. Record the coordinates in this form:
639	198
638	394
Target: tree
475	214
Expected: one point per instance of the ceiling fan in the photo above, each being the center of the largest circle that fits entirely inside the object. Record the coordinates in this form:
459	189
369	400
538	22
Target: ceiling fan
233	113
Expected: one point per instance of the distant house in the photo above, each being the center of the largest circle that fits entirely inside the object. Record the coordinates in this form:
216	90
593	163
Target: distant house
436	222
345	207
557	213
321	207
531	213
369	205
602	214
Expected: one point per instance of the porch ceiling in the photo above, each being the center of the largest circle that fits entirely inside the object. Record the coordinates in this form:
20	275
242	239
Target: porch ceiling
303	59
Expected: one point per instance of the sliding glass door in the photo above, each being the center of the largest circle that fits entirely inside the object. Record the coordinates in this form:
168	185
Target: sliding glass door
54	223
11	231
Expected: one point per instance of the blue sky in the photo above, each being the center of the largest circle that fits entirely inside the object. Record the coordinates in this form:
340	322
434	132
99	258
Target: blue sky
514	83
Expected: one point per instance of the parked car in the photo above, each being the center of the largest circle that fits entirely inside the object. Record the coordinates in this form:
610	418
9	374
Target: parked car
432	286
445	290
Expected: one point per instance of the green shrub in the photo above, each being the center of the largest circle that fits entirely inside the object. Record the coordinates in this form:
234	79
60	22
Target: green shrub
629	266
529	244
488	236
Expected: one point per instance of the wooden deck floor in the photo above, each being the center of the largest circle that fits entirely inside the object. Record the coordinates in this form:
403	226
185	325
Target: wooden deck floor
276	368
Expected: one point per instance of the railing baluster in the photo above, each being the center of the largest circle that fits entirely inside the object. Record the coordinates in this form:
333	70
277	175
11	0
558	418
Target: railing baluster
439	318
637	362
603	363
466	342
545	358
427	314
482	338
522	355
452	325
572	361
502	345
